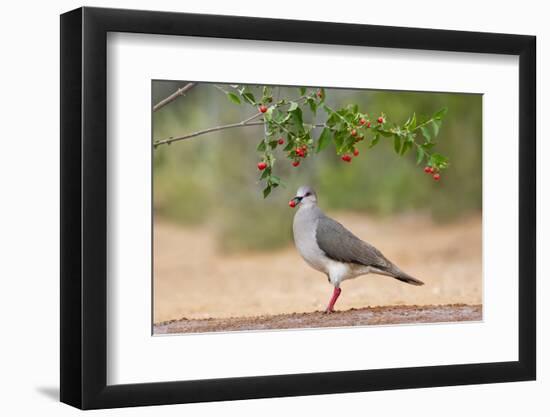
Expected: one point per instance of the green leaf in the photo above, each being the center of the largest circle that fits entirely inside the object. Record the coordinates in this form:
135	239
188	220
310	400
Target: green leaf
406	146
438	160
396	143
426	133
273	144
411	124
266	94
297	119
285	119
440	114
265	173
351	140
249	97
436	157
271	129
275	180
324	139
312	106
293	106
234	98
374	140
302	91
278	115
261	146
435	126
267	191
333	118
339	139
419	155
346	114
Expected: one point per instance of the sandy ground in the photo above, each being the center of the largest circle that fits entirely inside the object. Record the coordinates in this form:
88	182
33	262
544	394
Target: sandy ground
193	281
317	319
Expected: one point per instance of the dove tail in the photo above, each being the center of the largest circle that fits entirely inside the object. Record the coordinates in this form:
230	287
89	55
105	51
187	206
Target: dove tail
392	271
401	276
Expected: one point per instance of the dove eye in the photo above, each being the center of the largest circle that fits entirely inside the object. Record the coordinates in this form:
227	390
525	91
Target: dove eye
308	194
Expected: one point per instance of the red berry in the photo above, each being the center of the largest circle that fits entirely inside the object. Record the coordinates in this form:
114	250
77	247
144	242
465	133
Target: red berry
281	141
362	121
295	163
346	158
262	166
356	152
320	94
368	124
292	203
353	132
263	108
380	120
428	170
436	177
432	170
304	148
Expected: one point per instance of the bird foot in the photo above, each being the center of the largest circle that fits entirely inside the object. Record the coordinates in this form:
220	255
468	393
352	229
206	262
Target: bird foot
335	295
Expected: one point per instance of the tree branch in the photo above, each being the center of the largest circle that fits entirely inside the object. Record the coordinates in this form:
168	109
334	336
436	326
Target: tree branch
243	123
178	93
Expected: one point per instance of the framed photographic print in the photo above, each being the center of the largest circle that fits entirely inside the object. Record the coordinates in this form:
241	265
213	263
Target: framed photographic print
256	208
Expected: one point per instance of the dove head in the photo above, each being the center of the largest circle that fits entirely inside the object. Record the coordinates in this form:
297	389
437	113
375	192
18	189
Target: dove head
305	196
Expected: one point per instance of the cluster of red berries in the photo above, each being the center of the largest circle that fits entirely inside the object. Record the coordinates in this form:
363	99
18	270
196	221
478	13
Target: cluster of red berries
347	157
354	133
364	122
301	152
432	171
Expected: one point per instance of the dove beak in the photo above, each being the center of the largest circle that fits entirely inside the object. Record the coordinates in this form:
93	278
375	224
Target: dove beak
295	201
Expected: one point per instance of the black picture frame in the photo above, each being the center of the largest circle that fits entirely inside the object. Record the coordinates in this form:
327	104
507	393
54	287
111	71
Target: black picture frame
84	207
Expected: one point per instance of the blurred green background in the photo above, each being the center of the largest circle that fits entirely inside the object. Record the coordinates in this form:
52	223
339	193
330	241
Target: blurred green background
213	180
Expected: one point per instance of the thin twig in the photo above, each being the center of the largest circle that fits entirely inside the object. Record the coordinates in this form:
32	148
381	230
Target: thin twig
243	123
178	93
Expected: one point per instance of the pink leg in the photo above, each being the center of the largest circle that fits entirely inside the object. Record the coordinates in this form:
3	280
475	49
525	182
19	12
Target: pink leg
335	295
